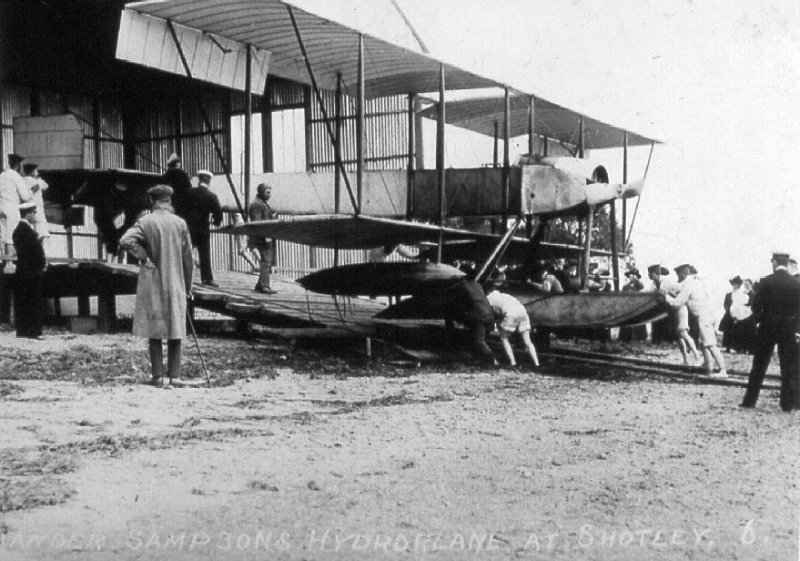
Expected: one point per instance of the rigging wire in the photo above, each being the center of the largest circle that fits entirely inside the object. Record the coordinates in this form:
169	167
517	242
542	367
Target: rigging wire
639	198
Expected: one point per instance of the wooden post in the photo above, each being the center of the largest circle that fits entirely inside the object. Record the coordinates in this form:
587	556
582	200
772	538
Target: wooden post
5	295
360	124
419	145
531	129
506	155
266	131
412	133
496	155
625	201
98	154
107	311
337	149
248	118
440	172
587	248
337	158
328	128
581	146
308	129
614	248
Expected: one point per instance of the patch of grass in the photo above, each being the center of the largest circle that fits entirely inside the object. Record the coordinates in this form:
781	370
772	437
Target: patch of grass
257	485
8	389
18	494
36	462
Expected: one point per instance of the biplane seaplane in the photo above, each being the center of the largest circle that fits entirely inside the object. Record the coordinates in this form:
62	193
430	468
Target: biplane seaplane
297	45
548	188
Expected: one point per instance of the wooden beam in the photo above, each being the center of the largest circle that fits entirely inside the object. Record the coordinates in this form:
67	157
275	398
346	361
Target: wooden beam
360	122
440	171
412	134
496	153
587	248
506	154
268	159
419	145
337	149
625	201
531	129
248	120
206	121
614	248
328	128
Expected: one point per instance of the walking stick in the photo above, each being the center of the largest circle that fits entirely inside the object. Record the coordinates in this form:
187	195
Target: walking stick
197	344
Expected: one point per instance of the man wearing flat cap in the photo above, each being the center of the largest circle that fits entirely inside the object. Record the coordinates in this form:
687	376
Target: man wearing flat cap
202	204
29	276
161	241
13	192
776	308
260	209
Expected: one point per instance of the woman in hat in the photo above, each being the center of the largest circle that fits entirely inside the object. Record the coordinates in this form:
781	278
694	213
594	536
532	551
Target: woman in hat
726	324
634	284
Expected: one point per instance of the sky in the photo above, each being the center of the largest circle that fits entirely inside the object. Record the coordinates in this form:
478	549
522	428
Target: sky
717	81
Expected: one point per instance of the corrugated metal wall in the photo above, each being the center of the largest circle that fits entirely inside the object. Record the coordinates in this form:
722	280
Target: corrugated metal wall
386	132
160	125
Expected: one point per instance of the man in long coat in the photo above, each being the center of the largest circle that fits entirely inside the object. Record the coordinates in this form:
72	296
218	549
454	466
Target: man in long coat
29	276
161	241
776	308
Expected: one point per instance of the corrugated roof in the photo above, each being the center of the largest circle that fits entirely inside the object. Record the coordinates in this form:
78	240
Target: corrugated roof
550	120
389	69
331	47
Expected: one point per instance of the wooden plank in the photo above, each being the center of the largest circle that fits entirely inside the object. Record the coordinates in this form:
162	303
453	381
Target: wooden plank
352	331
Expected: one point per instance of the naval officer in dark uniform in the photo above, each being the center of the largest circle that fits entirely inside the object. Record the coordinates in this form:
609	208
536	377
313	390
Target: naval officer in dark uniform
29	278
776	308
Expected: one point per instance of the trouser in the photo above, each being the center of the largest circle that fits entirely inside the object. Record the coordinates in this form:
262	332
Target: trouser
264	265
202	241
157	358
770	334
28	305
477	337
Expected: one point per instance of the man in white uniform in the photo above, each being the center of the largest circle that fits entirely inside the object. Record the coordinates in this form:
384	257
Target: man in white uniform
13	192
37	186
694	296
512	317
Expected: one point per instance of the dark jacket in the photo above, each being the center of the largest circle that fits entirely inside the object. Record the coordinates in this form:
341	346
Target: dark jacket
777	301
181	187
200	203
30	253
259	209
467	304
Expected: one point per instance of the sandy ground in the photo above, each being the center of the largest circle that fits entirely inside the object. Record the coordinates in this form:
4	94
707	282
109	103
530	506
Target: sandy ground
312	455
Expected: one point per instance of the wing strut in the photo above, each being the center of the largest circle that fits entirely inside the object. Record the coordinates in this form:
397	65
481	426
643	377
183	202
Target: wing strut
315	87
489	265
207	121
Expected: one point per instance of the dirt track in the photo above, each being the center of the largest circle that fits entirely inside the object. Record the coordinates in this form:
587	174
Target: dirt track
312	456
